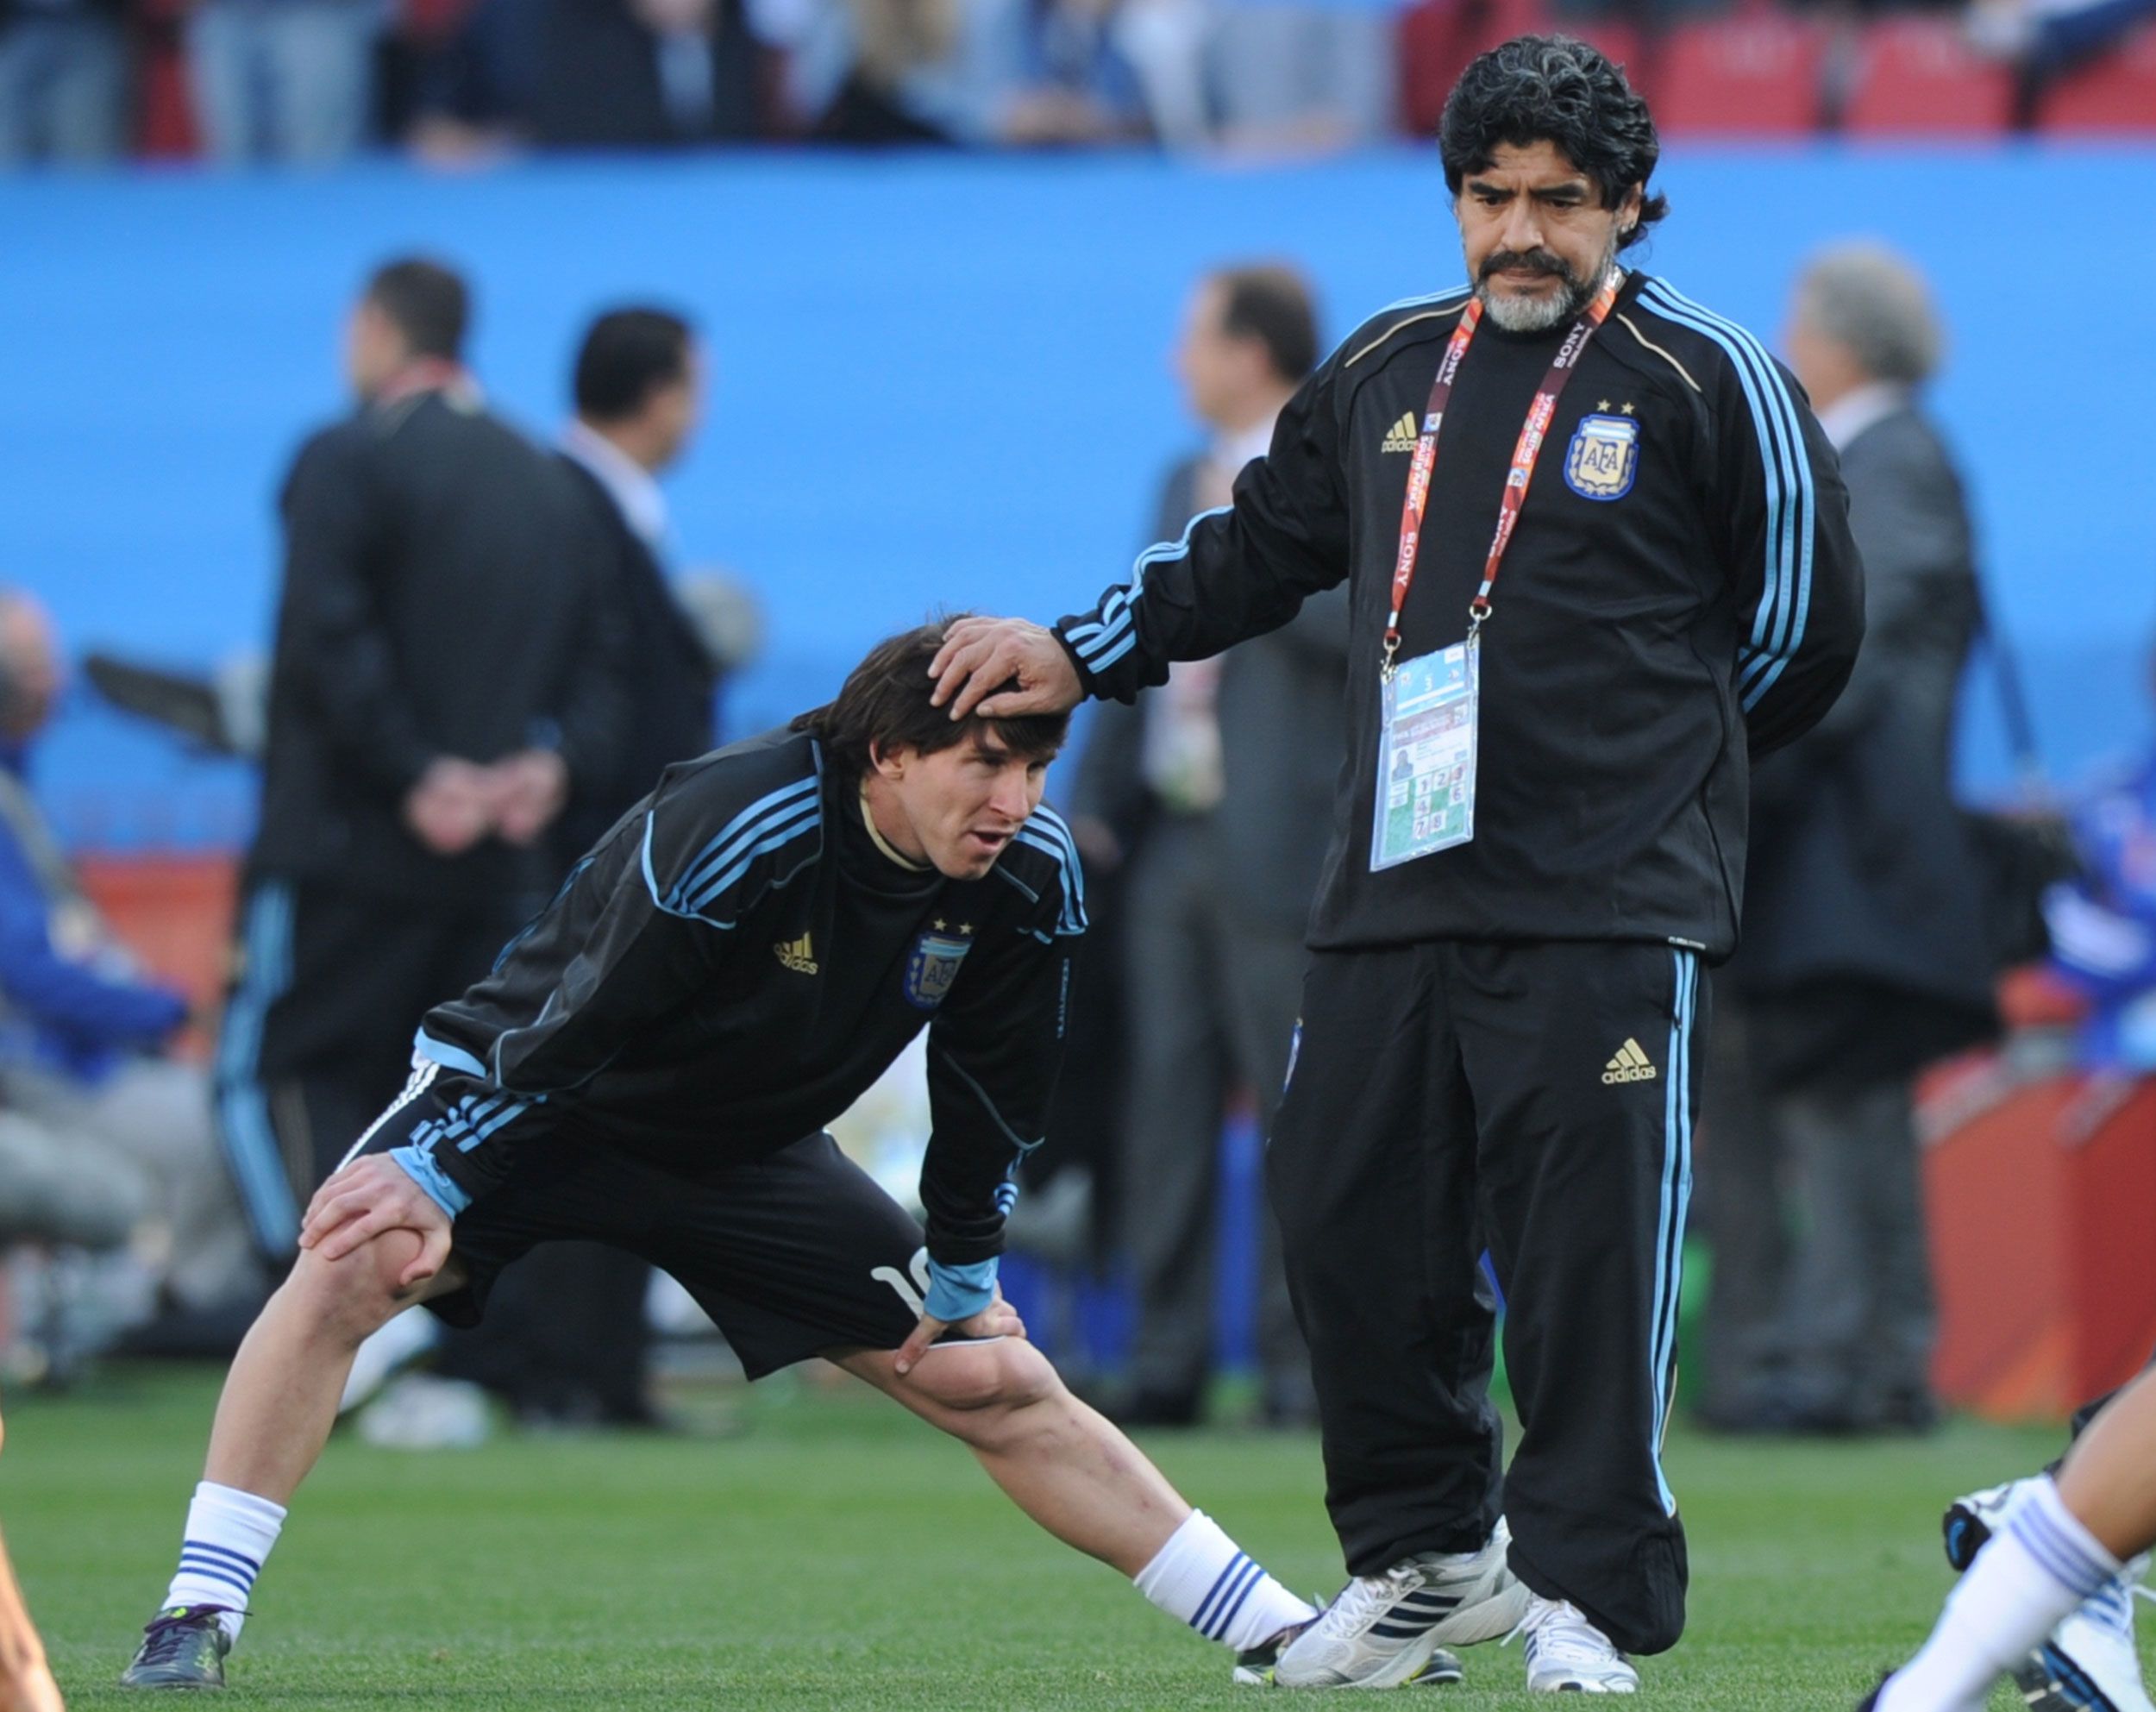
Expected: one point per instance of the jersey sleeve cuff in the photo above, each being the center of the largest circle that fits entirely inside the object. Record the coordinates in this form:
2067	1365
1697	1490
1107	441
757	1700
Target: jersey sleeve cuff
419	1165
1088	684
956	1292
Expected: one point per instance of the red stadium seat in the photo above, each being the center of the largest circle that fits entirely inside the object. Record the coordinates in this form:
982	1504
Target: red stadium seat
2037	1193
1438	38
1620	41
1740	77
2115	93
1918	76
164	112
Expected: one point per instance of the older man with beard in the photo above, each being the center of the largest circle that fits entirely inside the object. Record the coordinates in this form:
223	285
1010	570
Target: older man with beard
1540	842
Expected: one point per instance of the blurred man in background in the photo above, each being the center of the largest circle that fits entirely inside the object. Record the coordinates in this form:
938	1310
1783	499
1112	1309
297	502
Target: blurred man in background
438	687
639	387
1221	787
104	1139
1865	955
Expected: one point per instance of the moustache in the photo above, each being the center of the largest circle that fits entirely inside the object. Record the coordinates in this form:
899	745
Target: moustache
1532	261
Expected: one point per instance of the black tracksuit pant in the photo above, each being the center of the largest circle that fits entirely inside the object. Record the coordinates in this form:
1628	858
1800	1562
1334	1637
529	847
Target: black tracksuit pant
1536	1101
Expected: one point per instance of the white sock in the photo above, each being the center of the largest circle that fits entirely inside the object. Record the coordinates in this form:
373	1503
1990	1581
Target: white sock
2033	1571
1200	1577
229	1533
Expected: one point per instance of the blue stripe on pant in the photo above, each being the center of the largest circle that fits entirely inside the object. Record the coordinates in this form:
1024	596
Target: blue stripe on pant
242	1107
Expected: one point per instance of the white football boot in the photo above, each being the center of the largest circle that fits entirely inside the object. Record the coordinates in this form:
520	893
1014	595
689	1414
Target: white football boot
1567	1652
2090	1663
1384	1630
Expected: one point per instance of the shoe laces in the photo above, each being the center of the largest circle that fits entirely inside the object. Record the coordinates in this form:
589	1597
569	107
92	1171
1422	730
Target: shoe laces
1558	1629
170	1633
2112	1604
1369	1597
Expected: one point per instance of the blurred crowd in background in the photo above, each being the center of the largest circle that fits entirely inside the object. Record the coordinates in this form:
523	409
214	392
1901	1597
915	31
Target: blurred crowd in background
317	81
149	1189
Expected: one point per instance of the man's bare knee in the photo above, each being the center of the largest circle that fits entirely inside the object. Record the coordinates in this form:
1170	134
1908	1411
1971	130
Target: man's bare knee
980	1387
352	1298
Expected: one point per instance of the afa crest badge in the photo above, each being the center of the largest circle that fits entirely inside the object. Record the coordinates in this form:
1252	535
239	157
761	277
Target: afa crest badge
1604	457
933	965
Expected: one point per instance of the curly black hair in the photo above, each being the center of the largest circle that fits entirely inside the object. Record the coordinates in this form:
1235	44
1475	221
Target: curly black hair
1556	89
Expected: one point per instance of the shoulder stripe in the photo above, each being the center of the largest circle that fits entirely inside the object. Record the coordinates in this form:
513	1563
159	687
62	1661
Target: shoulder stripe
1101	645
1778	627
1445	296
723	849
777	829
777	832
1632	328
1440	313
1047	833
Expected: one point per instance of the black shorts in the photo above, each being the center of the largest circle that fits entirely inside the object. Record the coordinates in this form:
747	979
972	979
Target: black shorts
793	1254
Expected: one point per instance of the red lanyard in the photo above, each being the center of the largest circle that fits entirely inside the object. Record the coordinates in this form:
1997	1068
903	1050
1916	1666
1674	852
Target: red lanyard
1528	449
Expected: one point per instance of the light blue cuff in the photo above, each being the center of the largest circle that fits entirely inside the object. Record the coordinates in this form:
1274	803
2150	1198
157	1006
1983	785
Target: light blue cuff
420	1167
956	1292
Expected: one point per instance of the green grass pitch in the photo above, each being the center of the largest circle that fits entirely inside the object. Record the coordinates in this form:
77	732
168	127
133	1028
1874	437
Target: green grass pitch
836	1554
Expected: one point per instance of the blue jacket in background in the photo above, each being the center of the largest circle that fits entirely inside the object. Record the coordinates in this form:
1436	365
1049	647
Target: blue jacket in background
73	1012
2103	926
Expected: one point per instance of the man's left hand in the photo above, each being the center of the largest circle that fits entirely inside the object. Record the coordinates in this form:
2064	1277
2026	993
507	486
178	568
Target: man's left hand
998	1319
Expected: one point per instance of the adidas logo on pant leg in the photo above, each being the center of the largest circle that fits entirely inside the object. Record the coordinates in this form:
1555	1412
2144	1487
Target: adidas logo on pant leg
1631	1064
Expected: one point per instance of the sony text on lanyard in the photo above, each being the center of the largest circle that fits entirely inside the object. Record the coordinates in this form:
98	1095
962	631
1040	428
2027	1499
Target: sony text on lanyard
1427	740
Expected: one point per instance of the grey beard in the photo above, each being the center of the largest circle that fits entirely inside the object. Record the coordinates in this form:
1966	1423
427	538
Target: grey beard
1539	315
1528	315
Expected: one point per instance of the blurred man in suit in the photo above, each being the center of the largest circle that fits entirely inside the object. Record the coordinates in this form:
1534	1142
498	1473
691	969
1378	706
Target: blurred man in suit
1864	955
639	388
435	696
1217	792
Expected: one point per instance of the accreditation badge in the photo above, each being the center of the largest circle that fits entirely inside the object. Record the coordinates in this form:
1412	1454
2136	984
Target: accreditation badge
1425	757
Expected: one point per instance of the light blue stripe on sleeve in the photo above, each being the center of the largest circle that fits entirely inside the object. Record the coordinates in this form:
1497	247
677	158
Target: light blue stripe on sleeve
1778	631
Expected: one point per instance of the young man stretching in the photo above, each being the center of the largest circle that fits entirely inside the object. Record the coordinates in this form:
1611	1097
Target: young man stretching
651	1064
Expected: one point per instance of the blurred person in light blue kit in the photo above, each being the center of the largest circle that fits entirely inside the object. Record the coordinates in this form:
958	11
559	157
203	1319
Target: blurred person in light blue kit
102	1138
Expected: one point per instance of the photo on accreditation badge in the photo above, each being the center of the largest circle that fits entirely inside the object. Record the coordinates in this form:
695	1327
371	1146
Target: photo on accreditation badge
1076	854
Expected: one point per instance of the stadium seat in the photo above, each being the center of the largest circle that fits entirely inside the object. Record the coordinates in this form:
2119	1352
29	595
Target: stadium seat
2038	1189
1438	38
175	912
165	113
1918	77
2114	93
1757	76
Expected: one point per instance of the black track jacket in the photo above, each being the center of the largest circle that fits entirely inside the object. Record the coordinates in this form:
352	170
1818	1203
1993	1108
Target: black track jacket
442	597
1690	595
733	965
